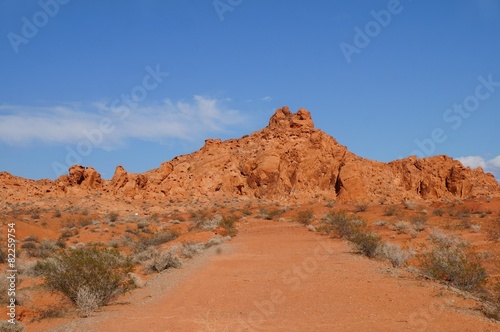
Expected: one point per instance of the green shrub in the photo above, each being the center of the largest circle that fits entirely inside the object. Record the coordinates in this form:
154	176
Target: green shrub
229	224
366	243
341	224
103	273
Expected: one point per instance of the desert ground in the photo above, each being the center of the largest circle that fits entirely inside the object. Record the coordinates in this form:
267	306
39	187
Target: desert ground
281	270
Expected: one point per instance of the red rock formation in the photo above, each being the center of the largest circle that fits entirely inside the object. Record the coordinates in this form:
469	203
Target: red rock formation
287	159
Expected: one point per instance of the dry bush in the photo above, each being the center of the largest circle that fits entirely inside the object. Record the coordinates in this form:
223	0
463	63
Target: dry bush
491	308
390	210
402	227
409	204
455	264
9	327
229	224
305	217
340	224
155	240
366	243
190	249
105	273
87	301
418	222
361	207
162	261
393	252
438	212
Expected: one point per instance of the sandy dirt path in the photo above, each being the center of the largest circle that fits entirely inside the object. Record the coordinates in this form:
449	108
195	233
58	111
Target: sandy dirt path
277	276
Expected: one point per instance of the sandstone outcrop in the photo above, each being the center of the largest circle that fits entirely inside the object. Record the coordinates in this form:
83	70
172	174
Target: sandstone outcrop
288	159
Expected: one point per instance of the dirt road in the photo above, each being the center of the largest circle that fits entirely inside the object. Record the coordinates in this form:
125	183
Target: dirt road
277	276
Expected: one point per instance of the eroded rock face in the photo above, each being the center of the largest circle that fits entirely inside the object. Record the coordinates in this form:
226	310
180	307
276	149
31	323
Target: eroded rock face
288	159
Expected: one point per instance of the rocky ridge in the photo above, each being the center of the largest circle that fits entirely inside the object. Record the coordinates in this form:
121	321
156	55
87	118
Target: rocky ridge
289	159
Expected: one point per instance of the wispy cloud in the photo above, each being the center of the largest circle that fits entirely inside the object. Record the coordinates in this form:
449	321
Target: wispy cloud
66	124
267	98
488	165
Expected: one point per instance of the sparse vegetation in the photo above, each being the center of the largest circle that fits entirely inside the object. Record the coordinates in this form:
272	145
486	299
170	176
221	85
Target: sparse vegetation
454	263
438	212
305	217
162	261
361	207
390	210
366	243
104	273
341	224
229	224
113	216
393	252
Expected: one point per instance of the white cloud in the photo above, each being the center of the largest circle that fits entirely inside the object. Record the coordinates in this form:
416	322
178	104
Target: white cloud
267	98
490	165
66	124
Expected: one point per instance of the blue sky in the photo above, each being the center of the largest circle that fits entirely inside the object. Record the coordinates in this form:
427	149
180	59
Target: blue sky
135	83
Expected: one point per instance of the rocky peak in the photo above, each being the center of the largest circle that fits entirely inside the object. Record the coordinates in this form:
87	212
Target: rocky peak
284	119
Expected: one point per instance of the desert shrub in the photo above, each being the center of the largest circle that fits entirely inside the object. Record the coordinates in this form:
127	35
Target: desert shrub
341	224
190	249
31	239
491	308
393	252
209	223
229	224
380	223
113	216
155	240
418	222
442	240
390	210
28	245
273	214
9	327
366	243
50	312
162	261
57	214
402	227
104	273
438	212
455	264
409	204
305	217
87	301
216	240
361	207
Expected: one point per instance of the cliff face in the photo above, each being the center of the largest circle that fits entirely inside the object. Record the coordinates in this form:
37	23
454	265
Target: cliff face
285	160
